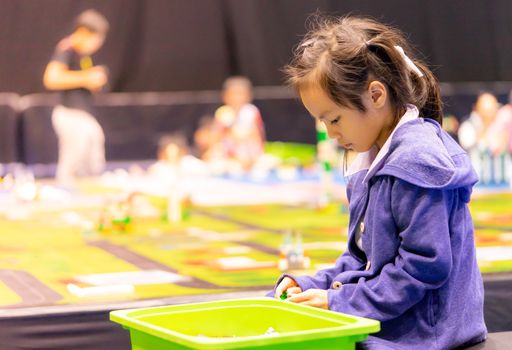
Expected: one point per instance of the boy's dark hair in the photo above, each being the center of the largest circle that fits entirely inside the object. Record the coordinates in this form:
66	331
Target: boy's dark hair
93	21
344	54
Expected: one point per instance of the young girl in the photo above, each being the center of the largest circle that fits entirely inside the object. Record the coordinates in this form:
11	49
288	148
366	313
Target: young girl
240	124
411	260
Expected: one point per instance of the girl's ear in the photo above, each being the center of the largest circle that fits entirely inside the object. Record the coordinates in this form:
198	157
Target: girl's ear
377	93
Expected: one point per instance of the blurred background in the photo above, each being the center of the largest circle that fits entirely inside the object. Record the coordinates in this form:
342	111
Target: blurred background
160	45
175	46
176	212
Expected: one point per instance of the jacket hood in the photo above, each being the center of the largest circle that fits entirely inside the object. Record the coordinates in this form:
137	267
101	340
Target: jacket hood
423	154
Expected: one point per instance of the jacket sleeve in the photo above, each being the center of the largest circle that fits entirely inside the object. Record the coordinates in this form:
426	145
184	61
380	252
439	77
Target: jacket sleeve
423	261
323	278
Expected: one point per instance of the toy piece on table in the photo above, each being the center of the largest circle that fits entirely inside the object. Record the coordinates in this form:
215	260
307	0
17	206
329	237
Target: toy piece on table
291	255
284	295
271	331
116	216
178	206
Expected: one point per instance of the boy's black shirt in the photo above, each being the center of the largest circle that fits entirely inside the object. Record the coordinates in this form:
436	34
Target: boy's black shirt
80	98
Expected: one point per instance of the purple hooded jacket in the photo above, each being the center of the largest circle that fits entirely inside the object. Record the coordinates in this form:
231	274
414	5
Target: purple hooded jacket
417	273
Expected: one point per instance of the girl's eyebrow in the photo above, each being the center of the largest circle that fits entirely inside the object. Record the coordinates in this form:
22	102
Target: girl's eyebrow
322	117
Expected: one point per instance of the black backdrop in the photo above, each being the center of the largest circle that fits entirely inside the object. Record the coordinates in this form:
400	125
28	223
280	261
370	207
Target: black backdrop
168	45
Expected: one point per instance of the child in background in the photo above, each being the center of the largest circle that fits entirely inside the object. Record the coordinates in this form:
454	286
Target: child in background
504	118
175	160
472	131
239	124
71	71
207	139
411	258
484	136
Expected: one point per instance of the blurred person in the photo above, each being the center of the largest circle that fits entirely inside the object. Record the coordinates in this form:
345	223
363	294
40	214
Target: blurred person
239	124
472	130
480	136
175	160
503	128
72	72
176	174
207	139
500	140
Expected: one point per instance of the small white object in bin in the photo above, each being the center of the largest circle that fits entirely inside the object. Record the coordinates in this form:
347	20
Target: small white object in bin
271	331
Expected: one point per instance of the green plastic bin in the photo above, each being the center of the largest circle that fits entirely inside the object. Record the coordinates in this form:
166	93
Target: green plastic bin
242	324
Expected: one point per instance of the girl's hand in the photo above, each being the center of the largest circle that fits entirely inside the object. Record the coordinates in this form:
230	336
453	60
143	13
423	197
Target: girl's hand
311	297
289	285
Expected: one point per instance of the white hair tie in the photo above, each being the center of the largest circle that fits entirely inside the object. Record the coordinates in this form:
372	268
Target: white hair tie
408	61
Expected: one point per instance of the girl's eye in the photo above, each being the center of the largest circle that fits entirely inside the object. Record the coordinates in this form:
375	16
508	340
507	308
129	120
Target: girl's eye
334	121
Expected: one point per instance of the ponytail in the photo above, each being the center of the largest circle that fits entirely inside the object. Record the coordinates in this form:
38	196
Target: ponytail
433	105
409	80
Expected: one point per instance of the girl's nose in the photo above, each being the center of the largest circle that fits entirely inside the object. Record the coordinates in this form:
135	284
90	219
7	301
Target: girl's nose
331	133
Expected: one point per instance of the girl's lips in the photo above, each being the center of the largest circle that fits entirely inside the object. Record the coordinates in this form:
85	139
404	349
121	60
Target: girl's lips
347	145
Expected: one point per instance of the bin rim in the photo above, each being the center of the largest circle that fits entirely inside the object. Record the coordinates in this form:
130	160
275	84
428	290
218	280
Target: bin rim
358	326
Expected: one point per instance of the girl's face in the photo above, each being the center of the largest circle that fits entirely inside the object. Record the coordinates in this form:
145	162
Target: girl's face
353	129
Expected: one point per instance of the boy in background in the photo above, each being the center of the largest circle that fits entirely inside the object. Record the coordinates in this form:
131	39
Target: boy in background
72	72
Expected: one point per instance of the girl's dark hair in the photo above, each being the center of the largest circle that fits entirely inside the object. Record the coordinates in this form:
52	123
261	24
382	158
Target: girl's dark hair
344	54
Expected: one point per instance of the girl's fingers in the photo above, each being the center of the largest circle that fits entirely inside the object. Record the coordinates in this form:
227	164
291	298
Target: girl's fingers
294	290
311	297
279	291
285	284
308	303
300	298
